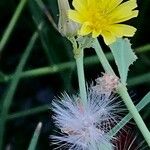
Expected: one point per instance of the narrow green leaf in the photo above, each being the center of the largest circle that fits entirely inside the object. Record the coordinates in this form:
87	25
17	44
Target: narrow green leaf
3	77
12	24
128	117
13	85
35	137
124	57
28	112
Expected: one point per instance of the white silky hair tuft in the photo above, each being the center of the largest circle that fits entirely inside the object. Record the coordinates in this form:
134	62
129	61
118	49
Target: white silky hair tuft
85	127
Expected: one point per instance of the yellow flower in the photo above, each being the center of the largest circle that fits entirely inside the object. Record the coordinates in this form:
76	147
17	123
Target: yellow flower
104	17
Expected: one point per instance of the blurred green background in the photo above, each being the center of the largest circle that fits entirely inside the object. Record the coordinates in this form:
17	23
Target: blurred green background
50	69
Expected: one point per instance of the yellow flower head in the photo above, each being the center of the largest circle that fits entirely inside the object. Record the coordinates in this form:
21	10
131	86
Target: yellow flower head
104	17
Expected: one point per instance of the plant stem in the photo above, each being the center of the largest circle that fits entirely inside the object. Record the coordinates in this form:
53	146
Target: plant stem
144	102
141	79
13	85
28	112
102	57
143	49
88	61
122	91
81	78
12	24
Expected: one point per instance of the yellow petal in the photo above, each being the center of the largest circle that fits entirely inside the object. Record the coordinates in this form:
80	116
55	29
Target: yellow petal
95	34
124	11
120	30
79	4
108	37
113	3
109	5
75	16
131	4
85	29
128	17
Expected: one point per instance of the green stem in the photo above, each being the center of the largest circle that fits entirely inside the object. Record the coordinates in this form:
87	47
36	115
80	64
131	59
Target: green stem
143	49
28	112
88	61
122	91
102	57
141	79
13	85
81	78
12	24
145	101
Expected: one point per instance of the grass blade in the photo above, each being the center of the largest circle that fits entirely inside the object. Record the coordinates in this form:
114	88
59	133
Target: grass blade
35	137
13	85
28	112
12	24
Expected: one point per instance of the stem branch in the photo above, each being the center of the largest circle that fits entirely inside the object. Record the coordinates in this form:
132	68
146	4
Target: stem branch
102	58
122	91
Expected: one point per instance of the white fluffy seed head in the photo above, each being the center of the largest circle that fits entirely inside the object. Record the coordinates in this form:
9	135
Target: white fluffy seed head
84	127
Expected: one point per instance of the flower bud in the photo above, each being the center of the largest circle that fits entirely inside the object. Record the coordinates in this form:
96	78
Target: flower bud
66	27
106	84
